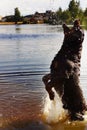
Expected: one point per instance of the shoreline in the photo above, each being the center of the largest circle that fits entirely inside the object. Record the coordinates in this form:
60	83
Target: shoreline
10	23
7	23
18	23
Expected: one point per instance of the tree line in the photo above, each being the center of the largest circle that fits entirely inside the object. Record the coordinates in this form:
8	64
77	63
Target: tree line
74	11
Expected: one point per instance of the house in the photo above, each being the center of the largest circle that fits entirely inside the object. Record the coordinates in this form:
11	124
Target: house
0	18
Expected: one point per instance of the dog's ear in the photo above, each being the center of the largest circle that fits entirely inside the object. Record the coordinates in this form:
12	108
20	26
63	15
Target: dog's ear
77	23
66	29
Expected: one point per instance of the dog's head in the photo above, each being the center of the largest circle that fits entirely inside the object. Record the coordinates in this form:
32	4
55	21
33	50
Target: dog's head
75	34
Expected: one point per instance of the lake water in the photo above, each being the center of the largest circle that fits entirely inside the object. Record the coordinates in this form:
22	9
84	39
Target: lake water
26	52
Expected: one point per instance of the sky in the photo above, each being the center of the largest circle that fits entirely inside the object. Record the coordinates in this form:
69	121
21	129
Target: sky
31	6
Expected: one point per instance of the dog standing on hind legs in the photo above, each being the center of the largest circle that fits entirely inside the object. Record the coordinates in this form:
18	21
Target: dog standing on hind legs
65	71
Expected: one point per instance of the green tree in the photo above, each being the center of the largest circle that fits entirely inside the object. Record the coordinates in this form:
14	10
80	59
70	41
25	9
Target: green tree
65	16
74	8
81	15
59	13
85	12
84	22
17	15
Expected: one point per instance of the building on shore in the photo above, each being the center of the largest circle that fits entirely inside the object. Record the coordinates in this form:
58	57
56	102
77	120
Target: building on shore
0	18
37	18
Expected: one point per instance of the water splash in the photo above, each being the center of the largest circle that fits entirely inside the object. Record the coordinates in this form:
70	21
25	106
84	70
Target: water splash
53	111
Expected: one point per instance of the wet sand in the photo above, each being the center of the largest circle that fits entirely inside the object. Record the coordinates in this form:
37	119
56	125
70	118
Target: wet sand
27	114
39	125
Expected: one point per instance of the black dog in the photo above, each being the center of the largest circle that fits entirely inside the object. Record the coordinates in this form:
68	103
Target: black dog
65	72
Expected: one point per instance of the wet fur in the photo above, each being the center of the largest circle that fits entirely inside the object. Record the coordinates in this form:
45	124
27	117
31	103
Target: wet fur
65	72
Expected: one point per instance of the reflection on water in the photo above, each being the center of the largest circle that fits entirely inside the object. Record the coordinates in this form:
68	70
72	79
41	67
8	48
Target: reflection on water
26	52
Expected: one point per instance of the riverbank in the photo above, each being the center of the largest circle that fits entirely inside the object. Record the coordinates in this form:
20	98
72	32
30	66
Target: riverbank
9	23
